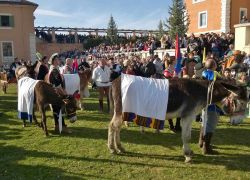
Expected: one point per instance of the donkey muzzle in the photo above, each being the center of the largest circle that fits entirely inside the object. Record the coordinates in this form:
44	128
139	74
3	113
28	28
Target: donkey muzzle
73	119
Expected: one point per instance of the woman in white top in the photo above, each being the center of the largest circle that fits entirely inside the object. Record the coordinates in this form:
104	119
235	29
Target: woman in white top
101	76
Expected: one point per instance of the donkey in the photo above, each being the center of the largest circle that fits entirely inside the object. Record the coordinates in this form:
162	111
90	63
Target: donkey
46	94
187	98
85	78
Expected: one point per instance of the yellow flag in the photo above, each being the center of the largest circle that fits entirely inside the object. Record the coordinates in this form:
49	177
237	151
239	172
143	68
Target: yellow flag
39	56
204	55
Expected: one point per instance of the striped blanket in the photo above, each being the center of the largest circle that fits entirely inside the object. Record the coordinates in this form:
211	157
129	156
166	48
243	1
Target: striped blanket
144	121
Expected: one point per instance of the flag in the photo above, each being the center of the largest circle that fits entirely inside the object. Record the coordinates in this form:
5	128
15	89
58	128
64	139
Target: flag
178	57
204	55
39	56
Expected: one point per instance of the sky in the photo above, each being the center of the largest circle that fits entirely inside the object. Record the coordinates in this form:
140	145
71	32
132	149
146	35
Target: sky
128	14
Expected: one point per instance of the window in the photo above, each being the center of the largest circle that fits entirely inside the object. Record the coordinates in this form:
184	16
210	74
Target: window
6	21
7	51
202	19
243	12
197	1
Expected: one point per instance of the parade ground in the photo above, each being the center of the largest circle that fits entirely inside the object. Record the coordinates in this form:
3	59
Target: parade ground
26	152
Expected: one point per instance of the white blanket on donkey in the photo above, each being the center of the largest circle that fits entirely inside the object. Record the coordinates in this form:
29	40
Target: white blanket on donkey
146	97
26	88
72	83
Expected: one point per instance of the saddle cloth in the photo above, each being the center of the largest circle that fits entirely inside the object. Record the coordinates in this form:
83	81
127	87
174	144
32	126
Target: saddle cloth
72	83
26	88
146	97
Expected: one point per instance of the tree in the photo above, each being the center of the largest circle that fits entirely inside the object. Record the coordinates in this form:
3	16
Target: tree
178	21
112	31
161	30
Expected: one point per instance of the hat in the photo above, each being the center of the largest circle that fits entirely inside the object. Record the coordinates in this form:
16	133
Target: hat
52	57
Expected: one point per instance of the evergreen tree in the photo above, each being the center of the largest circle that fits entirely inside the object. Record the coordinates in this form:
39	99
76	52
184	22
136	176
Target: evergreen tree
178	20
112	31
161	30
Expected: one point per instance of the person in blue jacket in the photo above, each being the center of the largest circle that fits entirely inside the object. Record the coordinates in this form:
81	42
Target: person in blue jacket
213	111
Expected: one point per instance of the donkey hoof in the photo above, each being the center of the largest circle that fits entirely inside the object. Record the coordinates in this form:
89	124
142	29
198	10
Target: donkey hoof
24	125
113	151
188	159
121	150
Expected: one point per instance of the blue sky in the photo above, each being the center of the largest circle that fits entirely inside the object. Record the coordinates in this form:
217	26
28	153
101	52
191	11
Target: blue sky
130	14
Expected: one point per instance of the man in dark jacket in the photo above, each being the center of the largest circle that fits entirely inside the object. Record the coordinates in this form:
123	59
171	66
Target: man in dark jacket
13	67
42	68
149	69
56	80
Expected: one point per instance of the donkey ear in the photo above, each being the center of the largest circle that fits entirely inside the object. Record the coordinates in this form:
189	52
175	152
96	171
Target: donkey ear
230	87
76	92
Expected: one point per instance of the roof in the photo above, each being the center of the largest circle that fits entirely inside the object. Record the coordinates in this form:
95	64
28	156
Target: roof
16	2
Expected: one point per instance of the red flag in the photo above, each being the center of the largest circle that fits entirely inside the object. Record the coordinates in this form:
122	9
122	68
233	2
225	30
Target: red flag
177	55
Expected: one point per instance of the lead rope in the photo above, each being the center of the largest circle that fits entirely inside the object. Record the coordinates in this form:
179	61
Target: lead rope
209	102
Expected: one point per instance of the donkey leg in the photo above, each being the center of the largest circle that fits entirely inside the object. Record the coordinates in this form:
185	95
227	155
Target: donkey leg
35	119
118	145
44	126
186	136
118	125
113	135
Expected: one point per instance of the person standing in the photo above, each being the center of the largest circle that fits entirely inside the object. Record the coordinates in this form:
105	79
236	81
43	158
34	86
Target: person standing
209	126
56	80
158	66
83	65
42	68
68	69
13	67
75	65
101	77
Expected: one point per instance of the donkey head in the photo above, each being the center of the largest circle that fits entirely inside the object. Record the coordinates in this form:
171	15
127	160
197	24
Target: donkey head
70	107
31	71
236	100
85	74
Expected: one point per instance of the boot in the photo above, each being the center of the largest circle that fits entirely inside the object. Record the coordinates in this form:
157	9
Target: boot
178	125
101	105
201	138
171	125
207	148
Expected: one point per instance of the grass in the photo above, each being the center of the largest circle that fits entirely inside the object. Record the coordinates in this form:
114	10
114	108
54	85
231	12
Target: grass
25	153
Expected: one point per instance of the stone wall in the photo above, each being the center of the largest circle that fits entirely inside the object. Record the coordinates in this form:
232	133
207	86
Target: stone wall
242	37
47	49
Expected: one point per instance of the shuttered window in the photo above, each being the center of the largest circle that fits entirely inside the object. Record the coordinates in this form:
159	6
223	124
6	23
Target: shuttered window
6	21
